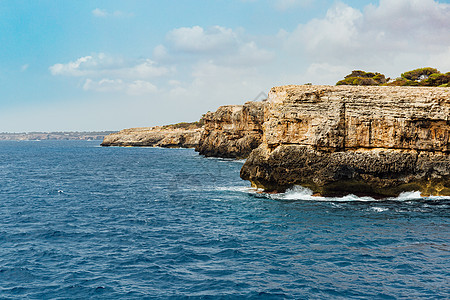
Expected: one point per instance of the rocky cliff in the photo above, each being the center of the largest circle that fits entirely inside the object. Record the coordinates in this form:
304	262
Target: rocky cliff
337	140
232	131
159	136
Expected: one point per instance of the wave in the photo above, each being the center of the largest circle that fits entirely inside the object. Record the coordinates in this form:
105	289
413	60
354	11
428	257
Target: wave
304	194
224	159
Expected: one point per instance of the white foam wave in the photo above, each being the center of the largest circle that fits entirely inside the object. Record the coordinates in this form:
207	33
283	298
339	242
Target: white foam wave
243	189
302	193
223	159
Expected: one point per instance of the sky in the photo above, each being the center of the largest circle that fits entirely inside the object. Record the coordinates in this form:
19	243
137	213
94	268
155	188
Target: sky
88	65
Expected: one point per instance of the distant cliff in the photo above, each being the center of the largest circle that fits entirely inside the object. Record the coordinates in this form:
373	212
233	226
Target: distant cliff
232	131
159	136
61	135
337	140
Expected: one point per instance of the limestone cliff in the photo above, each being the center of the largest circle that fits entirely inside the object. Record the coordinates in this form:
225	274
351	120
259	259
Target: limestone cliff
337	140
232	131
159	136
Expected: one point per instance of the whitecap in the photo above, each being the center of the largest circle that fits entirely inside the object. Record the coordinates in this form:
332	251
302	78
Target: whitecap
379	209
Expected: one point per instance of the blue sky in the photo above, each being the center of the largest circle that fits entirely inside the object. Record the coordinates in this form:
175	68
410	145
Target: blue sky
107	65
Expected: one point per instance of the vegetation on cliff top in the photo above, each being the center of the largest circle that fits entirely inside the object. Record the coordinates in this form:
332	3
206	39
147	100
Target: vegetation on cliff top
418	77
358	77
185	125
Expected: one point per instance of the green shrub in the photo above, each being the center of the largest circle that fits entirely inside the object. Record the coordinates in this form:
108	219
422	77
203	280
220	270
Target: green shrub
417	74
418	77
186	125
358	77
437	79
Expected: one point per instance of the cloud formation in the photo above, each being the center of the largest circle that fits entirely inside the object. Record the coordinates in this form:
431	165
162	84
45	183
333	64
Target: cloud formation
104	73
136	87
220	45
395	35
198	40
102	64
103	13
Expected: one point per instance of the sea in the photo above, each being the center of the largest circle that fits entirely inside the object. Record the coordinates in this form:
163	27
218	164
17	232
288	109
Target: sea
80	221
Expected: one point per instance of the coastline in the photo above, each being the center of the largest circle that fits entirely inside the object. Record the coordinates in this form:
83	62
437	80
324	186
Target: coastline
377	141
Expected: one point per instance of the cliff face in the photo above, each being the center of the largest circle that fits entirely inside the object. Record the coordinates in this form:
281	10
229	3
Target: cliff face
232	131
350	139
159	136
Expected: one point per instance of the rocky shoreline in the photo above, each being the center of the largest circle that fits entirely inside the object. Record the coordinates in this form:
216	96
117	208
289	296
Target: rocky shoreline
335	140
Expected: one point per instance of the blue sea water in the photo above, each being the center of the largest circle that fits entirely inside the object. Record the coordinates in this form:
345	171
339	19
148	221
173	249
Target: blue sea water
78	221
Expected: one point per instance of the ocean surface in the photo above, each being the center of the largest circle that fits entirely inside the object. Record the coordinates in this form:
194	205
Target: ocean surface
78	221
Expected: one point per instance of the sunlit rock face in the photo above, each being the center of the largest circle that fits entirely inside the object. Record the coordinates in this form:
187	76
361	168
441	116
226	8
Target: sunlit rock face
337	140
232	131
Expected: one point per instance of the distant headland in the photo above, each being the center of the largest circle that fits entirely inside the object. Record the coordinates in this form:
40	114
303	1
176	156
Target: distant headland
60	135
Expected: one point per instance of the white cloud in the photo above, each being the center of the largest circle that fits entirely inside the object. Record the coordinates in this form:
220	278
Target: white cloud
103	65
197	40
136	87
213	85
103	13
104	85
160	52
283	5
217	44
395	36
249	54
339	29
441	59
99	12
140	87
324	72
422	24
72	68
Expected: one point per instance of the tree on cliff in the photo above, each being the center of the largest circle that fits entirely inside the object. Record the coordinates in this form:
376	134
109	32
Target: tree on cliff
418	77
358	77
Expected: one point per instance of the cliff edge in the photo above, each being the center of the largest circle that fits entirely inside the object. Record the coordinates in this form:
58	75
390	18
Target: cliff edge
336	140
